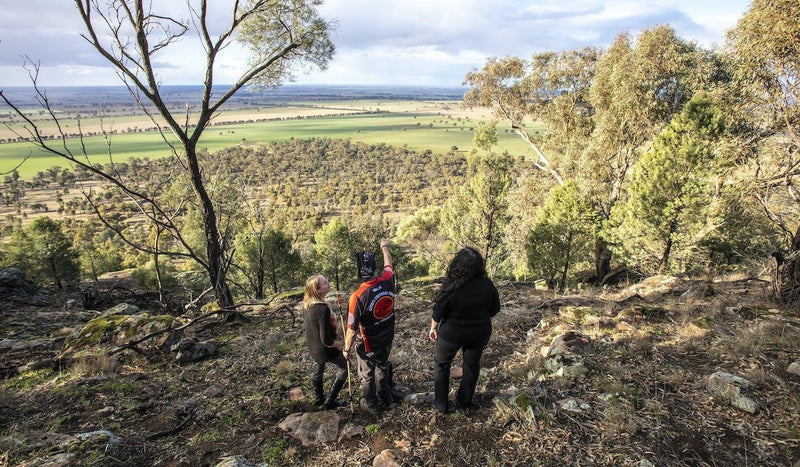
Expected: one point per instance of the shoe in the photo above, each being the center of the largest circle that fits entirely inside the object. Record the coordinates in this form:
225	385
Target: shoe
467	406
373	409
330	401
451	407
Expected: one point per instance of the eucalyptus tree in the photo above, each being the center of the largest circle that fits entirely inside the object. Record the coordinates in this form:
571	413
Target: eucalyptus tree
765	53
131	35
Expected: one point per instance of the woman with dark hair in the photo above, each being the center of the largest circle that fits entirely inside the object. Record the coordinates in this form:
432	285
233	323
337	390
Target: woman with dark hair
461	320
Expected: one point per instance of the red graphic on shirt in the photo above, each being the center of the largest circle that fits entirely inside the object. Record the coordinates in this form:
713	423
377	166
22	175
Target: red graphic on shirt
383	307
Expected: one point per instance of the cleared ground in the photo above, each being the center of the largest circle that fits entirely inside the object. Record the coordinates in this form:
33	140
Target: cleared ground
420	125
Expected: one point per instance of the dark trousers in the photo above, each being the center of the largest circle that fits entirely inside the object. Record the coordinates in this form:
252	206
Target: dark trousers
445	352
374	371
318	369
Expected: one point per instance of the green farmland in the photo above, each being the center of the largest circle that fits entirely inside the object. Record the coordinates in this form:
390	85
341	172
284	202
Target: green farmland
418	130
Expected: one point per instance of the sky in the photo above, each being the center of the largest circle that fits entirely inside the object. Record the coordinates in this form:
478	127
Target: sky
378	42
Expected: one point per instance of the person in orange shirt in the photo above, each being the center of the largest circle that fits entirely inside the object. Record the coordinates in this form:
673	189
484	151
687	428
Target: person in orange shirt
370	328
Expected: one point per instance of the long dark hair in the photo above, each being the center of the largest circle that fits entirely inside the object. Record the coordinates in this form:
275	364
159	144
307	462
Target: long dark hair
468	264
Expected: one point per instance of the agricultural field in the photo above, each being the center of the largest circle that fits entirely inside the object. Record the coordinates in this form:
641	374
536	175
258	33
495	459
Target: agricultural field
419	125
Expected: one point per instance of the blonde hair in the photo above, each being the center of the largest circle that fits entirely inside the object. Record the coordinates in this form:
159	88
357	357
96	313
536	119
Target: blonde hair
311	294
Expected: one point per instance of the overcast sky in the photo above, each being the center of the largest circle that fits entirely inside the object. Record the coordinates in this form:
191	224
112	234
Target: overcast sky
396	42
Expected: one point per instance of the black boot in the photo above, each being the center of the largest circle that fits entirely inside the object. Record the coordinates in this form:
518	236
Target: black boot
330	402
319	392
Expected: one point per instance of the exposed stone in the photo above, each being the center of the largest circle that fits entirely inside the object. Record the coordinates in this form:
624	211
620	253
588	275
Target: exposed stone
99	437
117	329
237	461
312	428
419	398
388	458
296	394
13	282
456	372
189	350
122	309
351	431
728	387
564	356
50	440
794	368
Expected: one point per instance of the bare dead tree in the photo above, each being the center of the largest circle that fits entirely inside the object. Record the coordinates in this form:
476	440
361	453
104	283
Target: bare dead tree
282	35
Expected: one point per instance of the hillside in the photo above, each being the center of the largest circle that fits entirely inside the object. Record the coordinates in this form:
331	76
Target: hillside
644	400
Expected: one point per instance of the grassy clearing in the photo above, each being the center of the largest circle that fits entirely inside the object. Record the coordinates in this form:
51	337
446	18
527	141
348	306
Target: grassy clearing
417	127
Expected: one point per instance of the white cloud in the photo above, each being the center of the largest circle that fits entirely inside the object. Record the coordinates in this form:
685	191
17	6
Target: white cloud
378	42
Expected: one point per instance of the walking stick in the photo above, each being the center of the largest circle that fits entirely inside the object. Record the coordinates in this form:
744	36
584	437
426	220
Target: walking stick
347	360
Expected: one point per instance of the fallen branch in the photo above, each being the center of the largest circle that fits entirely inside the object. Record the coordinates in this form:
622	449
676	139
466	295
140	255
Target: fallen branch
175	429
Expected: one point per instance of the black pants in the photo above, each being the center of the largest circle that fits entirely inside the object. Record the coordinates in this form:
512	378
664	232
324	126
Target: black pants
373	369
445	352
318	369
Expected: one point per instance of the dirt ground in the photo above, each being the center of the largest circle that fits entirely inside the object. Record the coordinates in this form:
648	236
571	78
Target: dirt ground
643	402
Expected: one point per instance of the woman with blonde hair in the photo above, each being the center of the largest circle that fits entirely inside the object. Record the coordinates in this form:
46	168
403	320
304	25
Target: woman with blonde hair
320	322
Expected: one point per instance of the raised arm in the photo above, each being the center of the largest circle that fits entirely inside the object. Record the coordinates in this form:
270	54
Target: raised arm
387	257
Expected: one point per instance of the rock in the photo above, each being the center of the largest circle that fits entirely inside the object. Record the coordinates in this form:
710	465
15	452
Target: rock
388	458
99	437
419	398
70	303
794	368
571	405
351	431
564	356
122	309
701	290
237	461
312	428
296	394
645	463
13	282
456	372
189	350
729	388
117	329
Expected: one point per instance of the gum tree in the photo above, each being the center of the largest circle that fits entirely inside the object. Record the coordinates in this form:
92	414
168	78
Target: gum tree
131	35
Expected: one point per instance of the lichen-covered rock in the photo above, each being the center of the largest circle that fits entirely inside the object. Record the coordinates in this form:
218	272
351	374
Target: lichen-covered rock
117	329
122	309
729	388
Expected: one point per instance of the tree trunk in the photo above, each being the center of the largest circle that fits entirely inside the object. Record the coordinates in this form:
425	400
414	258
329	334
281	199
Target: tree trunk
55	273
602	259
260	269
215	249
662	265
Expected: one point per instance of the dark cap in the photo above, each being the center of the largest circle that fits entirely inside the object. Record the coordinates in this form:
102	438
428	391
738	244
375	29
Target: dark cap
365	263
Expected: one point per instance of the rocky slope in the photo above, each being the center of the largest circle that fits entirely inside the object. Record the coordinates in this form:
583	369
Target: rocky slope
615	377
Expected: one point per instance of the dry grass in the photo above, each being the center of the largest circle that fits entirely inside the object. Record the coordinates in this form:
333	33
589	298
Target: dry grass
97	364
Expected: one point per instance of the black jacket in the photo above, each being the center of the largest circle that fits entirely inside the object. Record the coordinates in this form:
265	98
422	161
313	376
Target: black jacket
321	332
466	317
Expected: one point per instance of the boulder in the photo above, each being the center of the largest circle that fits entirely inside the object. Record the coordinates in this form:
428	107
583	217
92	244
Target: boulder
312	428
13	282
730	388
115	328
565	355
189	350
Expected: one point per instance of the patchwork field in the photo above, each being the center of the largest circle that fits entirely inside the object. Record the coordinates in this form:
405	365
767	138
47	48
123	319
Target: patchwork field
420	125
